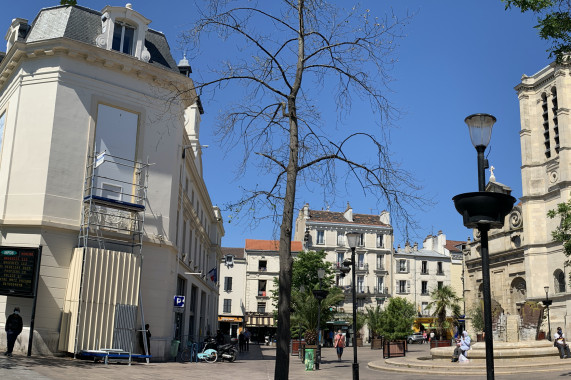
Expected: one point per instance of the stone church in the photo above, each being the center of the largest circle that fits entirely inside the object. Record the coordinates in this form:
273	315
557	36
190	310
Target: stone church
525	263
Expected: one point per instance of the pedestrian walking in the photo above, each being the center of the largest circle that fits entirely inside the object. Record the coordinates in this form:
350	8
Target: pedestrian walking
13	328
247	336
241	341
339	344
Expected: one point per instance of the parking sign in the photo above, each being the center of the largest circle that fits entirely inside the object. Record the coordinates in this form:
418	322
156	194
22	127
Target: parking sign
178	301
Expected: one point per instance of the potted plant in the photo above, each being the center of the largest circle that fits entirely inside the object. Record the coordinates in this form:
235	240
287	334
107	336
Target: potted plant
444	299
374	324
476	313
395	325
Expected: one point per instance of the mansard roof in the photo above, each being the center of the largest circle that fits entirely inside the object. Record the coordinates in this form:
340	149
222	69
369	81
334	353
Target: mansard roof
84	25
236	252
270	245
422	253
337	217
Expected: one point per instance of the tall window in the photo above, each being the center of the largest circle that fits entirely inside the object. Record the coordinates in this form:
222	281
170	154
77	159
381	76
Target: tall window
402	286
380	284
440	284
361	241
424	287
425	309
379	240
340	239
360	284
361	260
227	308
320	237
262	266
424	267
340	256
123	37
262	288
228	284
555	108
380	262
261	307
402	266
439	268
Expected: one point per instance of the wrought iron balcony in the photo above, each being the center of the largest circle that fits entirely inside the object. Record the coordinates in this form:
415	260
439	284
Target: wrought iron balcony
383	290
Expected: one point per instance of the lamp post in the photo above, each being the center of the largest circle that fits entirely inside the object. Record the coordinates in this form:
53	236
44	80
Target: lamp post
484	211
352	238
547	302
320	295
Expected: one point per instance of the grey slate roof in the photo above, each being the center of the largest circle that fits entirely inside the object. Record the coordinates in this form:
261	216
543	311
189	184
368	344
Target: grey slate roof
84	25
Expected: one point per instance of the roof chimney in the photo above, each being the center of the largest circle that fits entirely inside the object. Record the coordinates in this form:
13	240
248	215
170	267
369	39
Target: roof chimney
348	214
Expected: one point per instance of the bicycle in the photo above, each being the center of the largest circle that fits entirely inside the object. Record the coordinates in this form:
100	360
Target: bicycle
207	354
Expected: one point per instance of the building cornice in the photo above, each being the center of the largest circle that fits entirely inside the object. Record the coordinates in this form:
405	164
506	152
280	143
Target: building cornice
92	55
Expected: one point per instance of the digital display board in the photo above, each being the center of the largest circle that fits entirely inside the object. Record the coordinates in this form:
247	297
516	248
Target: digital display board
18	271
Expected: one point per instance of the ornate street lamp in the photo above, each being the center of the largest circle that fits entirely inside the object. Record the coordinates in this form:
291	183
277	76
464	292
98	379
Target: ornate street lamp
320	295
484	211
547	302
352	239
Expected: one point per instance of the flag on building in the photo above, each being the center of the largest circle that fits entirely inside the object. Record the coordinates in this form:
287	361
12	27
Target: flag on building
212	274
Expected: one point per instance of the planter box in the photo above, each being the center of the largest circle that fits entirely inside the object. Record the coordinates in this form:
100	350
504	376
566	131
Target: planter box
376	344
479	337
295	346
394	349
440	343
540	335
359	342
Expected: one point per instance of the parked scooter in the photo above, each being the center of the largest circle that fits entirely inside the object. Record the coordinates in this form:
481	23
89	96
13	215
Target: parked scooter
226	351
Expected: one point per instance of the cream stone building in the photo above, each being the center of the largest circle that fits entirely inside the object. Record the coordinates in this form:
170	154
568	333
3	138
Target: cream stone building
418	272
325	230
232	307
101	166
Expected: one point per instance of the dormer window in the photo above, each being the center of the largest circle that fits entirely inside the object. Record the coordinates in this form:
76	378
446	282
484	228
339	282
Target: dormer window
123	36
124	30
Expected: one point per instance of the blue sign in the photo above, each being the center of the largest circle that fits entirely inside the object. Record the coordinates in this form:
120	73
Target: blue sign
178	301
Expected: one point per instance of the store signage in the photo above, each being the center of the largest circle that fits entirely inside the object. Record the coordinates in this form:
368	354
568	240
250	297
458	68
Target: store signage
18	271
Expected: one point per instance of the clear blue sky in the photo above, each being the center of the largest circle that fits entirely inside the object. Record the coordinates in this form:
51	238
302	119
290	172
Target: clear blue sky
458	58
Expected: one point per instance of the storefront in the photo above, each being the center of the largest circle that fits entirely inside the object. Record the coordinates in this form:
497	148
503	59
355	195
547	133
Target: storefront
231	325
261	325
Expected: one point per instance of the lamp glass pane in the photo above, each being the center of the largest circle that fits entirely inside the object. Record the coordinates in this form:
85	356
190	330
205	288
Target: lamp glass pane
352	239
480	127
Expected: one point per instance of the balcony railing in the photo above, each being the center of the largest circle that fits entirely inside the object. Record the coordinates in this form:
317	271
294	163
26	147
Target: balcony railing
380	268
362	266
440	273
381	290
262	293
424	272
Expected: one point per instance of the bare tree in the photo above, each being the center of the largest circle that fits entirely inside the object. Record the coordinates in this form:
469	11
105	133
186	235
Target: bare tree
290	58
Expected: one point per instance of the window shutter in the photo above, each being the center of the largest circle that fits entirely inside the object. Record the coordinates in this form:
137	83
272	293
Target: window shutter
408	286
397	287
408	266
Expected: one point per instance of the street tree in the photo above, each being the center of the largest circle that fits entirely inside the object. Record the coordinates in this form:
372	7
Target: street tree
444	302
286	61
562	233
554	22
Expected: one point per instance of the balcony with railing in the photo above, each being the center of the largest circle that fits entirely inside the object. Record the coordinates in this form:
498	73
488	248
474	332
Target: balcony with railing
440	273
380	268
381	290
362	267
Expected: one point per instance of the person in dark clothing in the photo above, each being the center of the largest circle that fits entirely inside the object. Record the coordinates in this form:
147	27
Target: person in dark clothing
13	328
219	338
241	341
148	338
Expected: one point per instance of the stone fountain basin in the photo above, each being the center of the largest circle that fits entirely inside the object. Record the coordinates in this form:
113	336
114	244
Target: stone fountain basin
502	350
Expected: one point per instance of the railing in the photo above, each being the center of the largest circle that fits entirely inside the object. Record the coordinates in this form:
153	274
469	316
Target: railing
424	272
261	293
440	273
262	269
381	290
380	267
362	266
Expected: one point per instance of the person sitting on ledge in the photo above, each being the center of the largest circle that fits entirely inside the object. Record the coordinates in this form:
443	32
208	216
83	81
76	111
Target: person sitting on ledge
561	344
462	345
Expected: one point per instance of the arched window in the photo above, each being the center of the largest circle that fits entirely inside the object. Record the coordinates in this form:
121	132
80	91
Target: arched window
518	289
559	280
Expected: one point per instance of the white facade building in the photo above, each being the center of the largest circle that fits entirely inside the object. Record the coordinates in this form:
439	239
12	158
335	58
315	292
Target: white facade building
232	307
73	84
325	230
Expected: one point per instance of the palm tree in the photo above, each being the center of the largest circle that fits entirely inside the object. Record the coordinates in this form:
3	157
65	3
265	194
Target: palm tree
305	308
374	320
444	299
